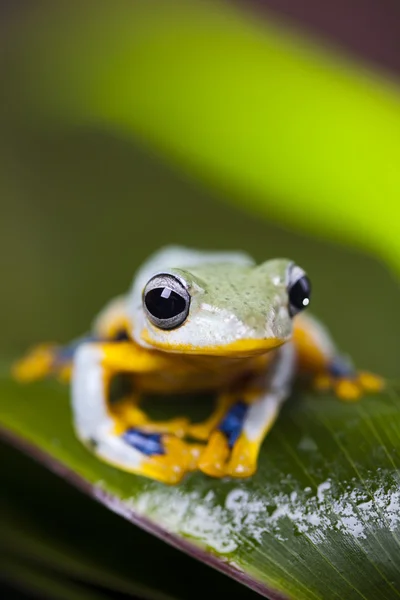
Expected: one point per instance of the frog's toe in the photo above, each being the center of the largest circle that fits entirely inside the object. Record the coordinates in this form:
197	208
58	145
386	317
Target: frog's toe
371	382
219	459
361	384
165	457
243	460
213	459
348	390
322	382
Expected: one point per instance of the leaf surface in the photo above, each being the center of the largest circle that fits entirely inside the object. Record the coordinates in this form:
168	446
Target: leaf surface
320	519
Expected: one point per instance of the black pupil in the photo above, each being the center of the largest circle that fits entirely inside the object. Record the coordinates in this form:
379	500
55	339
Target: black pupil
164	303
299	293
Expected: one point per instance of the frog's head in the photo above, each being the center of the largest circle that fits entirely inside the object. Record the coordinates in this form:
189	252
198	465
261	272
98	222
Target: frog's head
221	309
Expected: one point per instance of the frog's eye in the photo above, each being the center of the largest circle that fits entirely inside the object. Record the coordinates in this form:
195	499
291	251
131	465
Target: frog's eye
166	301
299	290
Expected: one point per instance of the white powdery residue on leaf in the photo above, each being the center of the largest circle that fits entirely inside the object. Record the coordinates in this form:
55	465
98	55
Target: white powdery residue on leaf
209	525
244	513
389	503
255	516
322	489
168	509
360	512
365	506
251	515
191	515
353	513
303	512
354	526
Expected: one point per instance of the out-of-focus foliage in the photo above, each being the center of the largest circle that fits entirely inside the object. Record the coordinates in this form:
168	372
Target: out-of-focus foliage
288	129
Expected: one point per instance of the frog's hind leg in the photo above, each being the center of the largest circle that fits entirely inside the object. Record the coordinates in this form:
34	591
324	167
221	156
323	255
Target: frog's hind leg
50	359
234	445
318	356
47	360
135	448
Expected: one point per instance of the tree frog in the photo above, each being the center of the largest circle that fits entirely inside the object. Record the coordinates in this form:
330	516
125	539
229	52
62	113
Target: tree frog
196	320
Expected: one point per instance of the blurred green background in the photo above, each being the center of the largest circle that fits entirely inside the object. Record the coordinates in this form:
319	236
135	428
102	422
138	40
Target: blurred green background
85	197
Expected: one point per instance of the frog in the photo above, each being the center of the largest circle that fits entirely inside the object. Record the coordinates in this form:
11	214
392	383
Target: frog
196	320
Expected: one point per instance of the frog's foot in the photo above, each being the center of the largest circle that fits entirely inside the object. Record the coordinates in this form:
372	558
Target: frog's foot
233	447
347	384
126	439
158	456
37	364
127	415
47	360
229	451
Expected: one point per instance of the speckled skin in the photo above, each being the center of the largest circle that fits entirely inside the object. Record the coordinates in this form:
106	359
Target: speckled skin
232	299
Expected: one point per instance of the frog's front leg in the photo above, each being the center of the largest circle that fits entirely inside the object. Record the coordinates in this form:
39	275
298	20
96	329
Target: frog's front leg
234	444
140	450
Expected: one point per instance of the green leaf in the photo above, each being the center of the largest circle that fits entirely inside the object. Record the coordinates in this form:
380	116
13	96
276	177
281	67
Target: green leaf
320	519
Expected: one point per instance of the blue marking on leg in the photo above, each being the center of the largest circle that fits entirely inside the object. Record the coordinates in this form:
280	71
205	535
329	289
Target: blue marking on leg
66	353
232	424
147	443
339	367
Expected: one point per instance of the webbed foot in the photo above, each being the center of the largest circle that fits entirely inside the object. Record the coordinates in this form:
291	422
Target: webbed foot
158	456
229	452
348	384
36	364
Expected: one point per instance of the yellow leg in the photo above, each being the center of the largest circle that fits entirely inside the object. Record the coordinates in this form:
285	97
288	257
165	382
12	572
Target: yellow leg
127	414
222	456
318	356
259	421
215	456
234	445
122	434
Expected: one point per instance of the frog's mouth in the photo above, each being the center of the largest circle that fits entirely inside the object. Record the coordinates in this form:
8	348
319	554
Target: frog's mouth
238	348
